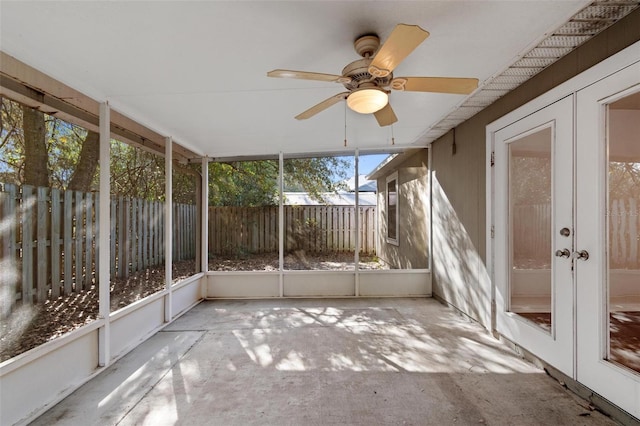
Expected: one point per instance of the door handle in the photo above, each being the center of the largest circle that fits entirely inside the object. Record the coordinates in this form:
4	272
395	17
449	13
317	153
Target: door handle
581	255
565	253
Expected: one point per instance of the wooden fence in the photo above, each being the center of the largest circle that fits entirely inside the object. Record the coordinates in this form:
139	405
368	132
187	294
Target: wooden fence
624	235
532	233
48	239
318	229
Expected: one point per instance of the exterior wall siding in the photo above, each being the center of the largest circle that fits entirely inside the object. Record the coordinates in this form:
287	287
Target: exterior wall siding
412	250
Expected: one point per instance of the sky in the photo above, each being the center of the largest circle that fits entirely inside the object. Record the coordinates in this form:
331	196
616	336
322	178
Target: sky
369	162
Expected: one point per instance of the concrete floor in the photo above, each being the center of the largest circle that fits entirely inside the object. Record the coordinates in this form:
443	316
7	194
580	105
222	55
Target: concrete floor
322	362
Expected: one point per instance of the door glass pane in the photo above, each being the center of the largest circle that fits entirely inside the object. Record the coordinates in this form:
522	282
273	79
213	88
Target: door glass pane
530	227
624	231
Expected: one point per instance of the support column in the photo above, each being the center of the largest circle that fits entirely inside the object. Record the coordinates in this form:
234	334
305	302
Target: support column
356	256
103	243
204	236
281	220
430	216
168	227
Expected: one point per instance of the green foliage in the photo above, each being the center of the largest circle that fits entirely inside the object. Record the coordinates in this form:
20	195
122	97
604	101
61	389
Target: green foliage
316	175
255	183
136	173
246	183
11	142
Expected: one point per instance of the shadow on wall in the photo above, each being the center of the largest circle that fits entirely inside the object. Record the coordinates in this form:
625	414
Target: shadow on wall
460	275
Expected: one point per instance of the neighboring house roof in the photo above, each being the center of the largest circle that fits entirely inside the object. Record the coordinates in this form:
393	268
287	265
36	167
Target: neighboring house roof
390	164
364	184
331	199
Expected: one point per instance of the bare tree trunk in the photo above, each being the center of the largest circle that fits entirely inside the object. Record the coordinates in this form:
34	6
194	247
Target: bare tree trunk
36	168
87	163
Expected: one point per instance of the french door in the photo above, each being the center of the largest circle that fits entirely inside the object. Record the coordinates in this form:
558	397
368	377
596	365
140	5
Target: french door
567	235
534	234
608	228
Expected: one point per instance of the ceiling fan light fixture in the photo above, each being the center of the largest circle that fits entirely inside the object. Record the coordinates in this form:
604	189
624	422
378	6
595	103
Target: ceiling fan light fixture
367	101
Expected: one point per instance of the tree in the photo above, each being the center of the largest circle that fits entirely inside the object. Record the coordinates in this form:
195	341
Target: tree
246	183
255	183
11	143
136	173
36	169
41	150
85	171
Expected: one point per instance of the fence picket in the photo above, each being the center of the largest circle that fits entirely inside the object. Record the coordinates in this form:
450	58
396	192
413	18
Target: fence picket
67	245
145	234
79	232
12	190
127	239
28	204
55	243
96	238
9	217
634	239
133	236
88	232
41	244
113	231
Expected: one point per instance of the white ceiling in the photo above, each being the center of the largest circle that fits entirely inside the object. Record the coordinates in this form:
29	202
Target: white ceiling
196	71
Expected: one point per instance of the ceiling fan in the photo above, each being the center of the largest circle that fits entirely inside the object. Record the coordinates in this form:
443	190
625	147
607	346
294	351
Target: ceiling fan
370	80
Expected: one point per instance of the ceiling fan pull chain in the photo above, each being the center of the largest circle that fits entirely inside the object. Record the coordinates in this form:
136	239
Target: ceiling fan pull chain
393	140
345	124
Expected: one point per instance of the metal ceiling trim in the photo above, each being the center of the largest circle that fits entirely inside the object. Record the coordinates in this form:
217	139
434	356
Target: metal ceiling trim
581	27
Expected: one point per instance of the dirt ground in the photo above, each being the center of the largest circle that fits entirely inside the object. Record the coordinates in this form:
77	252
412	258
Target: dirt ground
29	326
298	260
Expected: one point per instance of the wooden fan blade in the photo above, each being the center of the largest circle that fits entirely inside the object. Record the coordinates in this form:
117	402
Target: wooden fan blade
386	116
461	86
402	41
322	106
304	75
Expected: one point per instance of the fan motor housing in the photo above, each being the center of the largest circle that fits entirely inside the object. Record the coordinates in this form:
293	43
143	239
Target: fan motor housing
358	72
